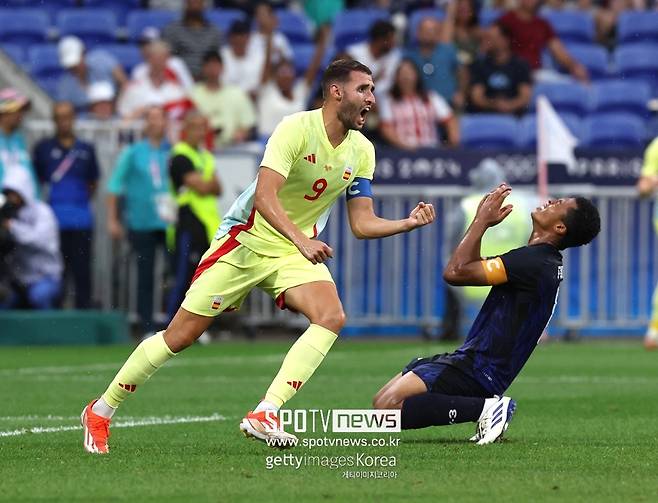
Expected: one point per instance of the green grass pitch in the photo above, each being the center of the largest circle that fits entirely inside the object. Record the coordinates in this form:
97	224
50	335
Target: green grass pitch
586	429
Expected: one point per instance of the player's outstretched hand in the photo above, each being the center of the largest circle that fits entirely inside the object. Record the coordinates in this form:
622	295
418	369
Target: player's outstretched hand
422	214
316	251
491	210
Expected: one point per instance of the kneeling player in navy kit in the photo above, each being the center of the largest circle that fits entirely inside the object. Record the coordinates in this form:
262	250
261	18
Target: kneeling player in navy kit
469	384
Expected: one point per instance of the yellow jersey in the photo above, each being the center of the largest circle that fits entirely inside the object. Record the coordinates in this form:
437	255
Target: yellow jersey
650	168
316	174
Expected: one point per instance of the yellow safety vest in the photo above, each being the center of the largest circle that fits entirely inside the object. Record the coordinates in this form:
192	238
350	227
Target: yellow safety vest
204	207
513	232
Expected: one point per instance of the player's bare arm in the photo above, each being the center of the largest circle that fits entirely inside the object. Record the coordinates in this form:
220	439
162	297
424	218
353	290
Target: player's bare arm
365	224
268	205
466	267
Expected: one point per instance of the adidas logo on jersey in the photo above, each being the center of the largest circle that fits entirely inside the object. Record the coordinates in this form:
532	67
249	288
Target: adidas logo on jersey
128	387
295	384
310	158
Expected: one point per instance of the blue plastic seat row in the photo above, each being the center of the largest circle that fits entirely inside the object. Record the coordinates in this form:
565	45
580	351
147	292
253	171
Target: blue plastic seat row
628	60
603	130
579	27
620	95
94	25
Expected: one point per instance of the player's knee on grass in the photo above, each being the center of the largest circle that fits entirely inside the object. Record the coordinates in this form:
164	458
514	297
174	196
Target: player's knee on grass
387	400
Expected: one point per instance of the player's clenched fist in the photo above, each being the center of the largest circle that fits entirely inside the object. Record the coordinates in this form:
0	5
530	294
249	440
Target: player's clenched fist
316	251
422	214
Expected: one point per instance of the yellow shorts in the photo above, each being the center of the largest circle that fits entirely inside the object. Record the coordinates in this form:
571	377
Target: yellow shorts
228	271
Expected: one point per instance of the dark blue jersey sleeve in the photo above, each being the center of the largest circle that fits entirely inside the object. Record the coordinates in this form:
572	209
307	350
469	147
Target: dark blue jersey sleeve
521	266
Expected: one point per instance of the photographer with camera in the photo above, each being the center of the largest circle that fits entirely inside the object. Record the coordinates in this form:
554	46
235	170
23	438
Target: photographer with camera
30	259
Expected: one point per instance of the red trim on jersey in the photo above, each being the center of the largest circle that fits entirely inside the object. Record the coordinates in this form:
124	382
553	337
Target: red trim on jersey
231	244
315	231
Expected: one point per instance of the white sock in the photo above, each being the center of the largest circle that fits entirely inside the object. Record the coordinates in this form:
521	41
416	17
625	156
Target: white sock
103	409
488	402
265	405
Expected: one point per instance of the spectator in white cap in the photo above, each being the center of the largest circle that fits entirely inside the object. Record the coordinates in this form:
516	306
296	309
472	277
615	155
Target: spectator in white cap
176	67
85	68
101	100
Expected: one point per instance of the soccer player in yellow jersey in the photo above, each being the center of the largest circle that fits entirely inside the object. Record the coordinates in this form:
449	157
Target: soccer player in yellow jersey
646	186
268	240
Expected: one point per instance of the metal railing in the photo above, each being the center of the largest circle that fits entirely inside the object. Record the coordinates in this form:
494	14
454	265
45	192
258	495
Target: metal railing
396	283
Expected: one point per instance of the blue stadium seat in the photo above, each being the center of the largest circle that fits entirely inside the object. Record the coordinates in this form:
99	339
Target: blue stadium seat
352	26
49	85
295	26
637	26
625	96
614	131
638	62
121	8
139	19
488	16
593	57
92	26
571	26
44	61
564	96
417	16
489	131
15	52
303	54
528	129
27	26
128	55
652	129
224	18
49	7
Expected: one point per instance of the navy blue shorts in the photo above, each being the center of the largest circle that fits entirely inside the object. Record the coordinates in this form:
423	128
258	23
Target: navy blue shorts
442	378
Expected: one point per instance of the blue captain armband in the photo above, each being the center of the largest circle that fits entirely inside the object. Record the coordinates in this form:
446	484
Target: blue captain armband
360	187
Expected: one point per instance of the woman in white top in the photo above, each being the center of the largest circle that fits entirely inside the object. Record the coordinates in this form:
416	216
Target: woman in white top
410	115
281	93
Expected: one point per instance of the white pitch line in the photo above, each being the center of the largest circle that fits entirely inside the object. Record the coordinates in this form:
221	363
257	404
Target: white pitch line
178	362
149	421
185	362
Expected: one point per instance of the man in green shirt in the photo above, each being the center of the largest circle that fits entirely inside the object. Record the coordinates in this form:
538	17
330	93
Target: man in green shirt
228	108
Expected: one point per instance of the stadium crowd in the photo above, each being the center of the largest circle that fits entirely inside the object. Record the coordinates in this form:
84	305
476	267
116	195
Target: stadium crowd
219	75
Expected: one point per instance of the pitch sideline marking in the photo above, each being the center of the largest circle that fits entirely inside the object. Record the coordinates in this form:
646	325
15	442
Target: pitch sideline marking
151	421
189	362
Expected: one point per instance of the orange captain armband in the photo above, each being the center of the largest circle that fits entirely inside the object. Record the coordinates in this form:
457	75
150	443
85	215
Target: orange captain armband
494	270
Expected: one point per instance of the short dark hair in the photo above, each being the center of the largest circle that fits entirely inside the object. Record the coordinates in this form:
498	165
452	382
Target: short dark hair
239	27
339	71
380	29
583	224
212	55
504	30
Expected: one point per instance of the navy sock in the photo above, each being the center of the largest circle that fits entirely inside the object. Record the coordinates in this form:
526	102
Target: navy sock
435	409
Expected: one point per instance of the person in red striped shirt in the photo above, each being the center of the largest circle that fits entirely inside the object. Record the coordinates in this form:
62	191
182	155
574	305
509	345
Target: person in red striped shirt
411	115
